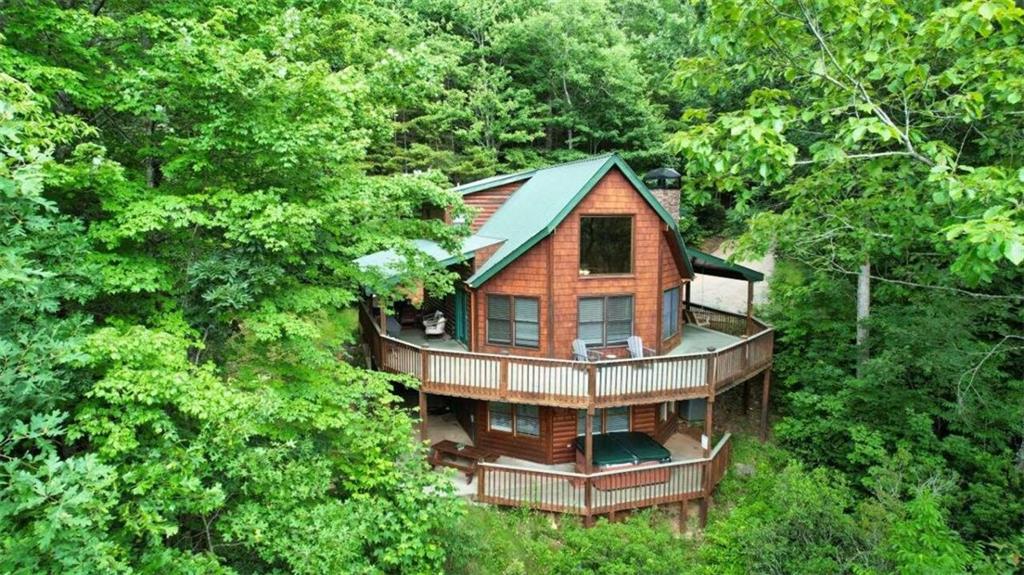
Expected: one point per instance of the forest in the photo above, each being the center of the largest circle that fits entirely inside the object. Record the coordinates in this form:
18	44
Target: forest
184	186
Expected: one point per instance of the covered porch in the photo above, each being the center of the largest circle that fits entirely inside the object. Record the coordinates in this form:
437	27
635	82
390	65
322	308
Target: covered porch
445	426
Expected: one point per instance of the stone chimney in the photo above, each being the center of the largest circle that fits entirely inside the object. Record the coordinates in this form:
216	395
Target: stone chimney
669	199
664	184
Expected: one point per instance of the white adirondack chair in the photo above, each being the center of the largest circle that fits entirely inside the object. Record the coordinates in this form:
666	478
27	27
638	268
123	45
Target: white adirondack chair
581	353
637	349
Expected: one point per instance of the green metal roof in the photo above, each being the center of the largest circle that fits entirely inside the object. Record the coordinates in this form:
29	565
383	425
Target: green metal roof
543	201
493	182
389	262
705	263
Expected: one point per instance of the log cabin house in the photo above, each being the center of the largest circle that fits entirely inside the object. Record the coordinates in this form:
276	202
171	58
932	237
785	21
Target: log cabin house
564	265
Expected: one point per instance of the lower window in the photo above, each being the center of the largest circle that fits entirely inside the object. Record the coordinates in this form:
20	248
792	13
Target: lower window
519	419
607	420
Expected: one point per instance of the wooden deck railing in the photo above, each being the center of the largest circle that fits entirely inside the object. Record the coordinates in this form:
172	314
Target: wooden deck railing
566	383
604	492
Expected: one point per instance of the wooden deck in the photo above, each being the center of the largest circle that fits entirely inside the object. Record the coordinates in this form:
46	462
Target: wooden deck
683	373
580	494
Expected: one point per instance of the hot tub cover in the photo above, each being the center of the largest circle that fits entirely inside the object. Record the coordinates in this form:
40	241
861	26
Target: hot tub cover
623	447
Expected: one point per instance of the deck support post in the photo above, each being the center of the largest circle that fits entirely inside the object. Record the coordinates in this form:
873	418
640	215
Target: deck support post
750	308
588	443
765	388
423	416
683	512
481	478
709	424
746	397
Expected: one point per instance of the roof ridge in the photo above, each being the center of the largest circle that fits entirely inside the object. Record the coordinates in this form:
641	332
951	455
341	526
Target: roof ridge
578	161
499	179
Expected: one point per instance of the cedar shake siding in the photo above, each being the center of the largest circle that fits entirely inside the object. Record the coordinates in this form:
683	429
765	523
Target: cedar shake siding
525	277
486	202
654	269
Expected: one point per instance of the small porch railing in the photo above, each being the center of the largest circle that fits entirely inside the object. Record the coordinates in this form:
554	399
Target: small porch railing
605	492
565	383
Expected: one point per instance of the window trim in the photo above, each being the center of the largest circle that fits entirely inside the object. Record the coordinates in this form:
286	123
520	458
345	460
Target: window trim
604	318
512	321
632	247
665	412
514	414
679	307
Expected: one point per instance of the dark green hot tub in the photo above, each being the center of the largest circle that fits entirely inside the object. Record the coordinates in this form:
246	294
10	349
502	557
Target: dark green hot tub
625	447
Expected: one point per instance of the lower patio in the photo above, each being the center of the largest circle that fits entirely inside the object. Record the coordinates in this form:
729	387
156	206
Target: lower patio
445	426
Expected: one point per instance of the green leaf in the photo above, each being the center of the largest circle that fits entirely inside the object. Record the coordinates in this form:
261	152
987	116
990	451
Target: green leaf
1014	251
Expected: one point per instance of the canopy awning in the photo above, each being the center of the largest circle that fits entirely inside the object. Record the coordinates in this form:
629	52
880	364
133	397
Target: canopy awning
704	263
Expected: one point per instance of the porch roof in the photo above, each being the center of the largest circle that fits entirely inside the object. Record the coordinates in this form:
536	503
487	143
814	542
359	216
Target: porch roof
705	263
389	262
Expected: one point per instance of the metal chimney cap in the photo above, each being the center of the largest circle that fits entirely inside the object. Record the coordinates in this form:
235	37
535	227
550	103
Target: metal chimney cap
662	174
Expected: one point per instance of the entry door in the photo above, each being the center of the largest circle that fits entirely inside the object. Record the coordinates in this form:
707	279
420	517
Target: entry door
461	316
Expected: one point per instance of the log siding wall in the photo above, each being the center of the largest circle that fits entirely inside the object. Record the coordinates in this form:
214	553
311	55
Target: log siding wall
557	432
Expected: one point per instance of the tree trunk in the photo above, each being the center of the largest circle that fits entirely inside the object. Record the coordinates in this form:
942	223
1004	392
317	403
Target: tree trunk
863	312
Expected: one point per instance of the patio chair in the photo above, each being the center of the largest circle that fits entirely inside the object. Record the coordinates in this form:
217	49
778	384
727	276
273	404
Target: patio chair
434	324
637	349
581	353
699	317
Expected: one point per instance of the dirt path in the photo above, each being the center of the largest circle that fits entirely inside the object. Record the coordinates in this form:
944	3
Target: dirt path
729	294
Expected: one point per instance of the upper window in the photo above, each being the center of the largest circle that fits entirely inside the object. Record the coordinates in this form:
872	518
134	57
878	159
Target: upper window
606	245
605	320
669	313
513	320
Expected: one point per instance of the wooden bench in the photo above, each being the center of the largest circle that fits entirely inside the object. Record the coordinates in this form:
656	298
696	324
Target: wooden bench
460	456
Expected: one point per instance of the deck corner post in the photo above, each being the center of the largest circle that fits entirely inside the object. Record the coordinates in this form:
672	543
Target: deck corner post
705	500
712	372
765	389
